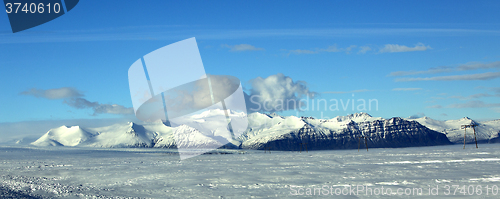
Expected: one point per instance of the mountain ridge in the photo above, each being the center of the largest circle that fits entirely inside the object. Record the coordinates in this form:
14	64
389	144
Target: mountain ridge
275	132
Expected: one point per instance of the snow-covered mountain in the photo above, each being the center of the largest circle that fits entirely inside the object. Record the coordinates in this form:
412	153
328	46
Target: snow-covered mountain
486	132
117	135
64	136
274	132
343	132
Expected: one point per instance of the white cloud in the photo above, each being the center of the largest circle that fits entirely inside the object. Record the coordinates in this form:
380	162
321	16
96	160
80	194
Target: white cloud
392	48
74	98
474	104
406	89
81	103
416	116
495	89
479	95
364	49
277	93
478	65
348	49
330	49
435	106
150	32
112	109
242	47
56	93
447	69
271	94
475	96
441	69
480	76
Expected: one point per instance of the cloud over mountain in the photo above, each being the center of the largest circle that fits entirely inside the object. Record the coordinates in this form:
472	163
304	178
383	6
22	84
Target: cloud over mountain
74	98
277	93
81	103
56	93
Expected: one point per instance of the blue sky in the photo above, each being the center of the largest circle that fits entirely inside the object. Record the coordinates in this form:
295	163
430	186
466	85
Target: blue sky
434	58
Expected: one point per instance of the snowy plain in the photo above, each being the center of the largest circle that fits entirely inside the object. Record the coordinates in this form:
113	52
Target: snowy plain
73	172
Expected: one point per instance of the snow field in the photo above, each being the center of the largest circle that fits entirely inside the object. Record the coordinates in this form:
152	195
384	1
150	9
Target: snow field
155	173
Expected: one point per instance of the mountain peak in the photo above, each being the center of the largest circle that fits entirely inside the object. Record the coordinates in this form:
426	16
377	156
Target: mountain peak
136	129
132	124
272	115
467	119
360	114
358	117
364	114
69	127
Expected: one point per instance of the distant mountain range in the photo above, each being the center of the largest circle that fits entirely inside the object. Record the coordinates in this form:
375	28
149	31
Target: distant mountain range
275	132
486	132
